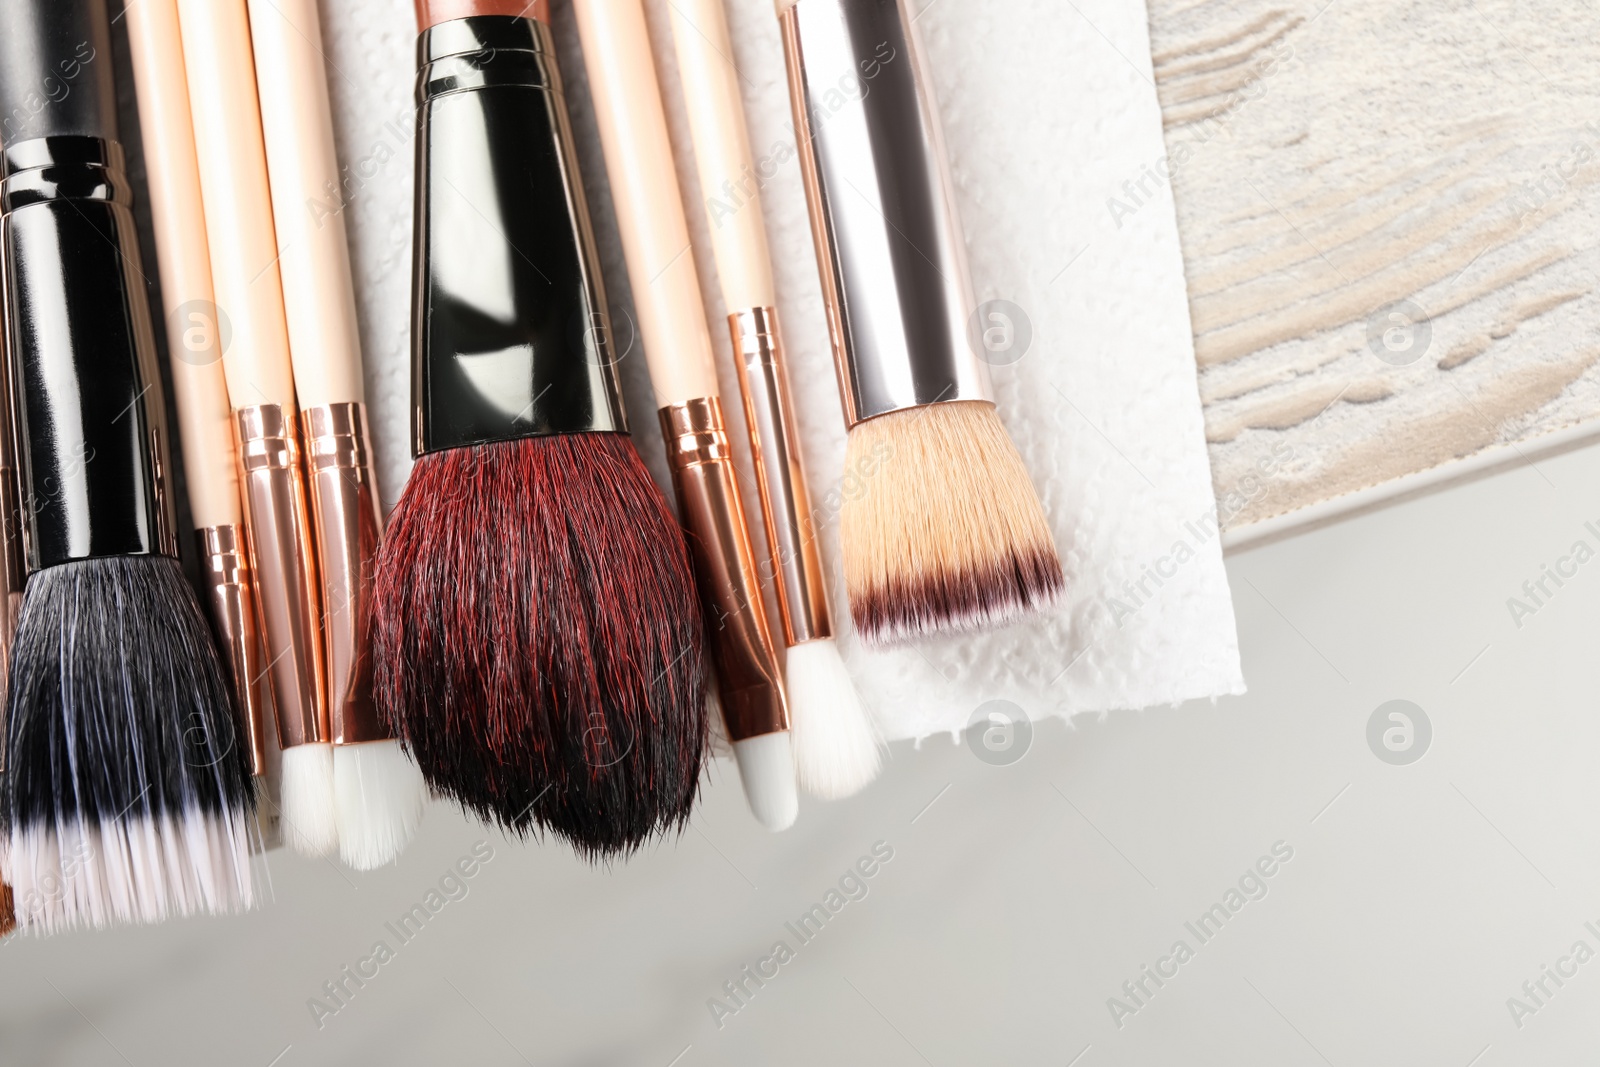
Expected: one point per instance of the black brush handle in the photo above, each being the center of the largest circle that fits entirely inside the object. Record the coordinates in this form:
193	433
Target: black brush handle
510	333
55	70
90	421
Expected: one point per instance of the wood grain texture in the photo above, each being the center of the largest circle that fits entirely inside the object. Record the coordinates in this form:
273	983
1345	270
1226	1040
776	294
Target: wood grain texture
1390	233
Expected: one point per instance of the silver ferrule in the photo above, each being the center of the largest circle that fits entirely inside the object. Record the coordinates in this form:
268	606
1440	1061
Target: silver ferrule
13	576
883	215
13	554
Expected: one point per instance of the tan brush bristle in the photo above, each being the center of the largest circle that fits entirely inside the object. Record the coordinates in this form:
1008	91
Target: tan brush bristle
943	530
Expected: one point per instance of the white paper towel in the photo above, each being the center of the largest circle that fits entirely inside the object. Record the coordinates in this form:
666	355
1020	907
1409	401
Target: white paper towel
1046	105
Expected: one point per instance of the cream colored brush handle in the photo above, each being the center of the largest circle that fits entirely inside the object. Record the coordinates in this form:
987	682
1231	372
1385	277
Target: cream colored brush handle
297	123
722	152
644	188
198	385
238	207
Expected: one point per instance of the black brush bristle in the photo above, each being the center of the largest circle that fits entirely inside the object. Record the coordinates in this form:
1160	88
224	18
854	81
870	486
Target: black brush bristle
537	640
119	704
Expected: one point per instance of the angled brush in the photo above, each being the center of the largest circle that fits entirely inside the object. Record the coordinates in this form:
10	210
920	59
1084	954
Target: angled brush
677	344
947	533
836	748
126	797
536	640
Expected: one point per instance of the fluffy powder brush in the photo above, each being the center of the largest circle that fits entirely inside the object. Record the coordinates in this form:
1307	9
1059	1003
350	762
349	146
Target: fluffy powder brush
947	532
536	640
128	789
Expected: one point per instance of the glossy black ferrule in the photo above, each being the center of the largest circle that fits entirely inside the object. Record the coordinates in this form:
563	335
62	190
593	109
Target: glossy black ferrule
55	70
510	333
90	423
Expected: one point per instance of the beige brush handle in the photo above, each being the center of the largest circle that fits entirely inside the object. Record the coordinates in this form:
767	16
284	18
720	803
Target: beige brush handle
193	343
238	207
303	170
644	188
722	152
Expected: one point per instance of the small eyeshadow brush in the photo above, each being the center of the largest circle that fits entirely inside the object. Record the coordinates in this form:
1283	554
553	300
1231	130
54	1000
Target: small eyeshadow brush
836	749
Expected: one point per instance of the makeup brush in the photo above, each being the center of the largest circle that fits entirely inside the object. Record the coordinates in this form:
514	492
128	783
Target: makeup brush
836	749
535	637
194	349
378	791
947	532
126	798
677	345
13	574
249	294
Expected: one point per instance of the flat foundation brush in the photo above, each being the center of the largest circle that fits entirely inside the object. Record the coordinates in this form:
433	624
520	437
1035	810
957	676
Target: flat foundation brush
836	749
947	533
261	390
127	797
378	792
677	345
536	639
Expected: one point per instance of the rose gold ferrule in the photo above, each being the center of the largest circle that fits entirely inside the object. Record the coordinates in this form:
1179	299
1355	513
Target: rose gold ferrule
347	522
730	590
780	477
281	556
231	599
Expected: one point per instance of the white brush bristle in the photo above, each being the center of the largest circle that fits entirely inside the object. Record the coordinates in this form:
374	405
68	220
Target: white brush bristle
141	870
379	796
766	767
309	824
836	749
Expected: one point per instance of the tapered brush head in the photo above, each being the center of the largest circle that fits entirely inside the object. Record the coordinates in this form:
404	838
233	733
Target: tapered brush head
837	751
379	795
309	818
766	770
537	640
127	794
946	532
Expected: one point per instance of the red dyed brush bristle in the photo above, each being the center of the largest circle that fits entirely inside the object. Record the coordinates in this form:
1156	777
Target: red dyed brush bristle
537	641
